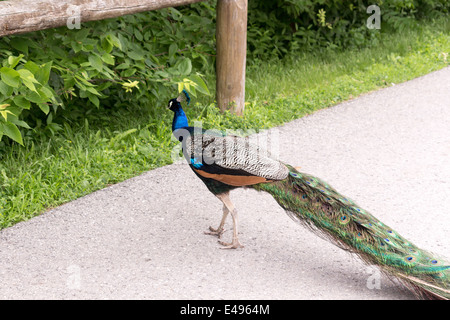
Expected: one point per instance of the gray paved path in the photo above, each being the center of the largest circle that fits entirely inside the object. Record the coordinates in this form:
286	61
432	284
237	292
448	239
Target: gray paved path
143	239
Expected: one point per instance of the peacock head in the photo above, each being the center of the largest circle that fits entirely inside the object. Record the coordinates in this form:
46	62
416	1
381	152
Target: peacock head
174	104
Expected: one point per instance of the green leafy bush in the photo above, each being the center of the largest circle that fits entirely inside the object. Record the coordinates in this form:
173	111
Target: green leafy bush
281	26
51	75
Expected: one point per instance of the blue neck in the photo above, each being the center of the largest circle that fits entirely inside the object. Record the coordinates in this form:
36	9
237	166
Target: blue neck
179	119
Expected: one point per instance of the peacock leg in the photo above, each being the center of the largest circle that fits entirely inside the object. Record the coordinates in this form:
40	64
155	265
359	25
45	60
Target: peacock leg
220	230
225	198
235	241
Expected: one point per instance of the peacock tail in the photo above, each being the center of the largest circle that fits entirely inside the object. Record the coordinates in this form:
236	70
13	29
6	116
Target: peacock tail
314	203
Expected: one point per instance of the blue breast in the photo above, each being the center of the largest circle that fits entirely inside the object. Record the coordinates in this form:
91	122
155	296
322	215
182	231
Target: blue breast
179	120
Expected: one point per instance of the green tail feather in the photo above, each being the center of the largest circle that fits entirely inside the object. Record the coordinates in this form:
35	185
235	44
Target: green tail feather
317	205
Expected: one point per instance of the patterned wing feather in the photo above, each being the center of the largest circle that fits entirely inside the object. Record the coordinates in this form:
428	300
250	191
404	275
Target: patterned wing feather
234	153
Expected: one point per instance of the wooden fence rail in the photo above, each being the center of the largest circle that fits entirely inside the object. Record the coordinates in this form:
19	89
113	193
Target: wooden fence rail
21	16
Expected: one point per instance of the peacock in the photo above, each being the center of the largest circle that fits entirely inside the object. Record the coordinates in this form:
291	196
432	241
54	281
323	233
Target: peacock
226	162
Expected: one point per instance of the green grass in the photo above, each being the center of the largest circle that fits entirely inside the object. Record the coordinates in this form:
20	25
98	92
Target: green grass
109	146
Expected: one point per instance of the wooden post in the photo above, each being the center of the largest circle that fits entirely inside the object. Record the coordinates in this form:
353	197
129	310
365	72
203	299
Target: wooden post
231	37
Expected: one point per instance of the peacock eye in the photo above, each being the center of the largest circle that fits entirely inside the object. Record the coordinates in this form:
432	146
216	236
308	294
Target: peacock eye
170	103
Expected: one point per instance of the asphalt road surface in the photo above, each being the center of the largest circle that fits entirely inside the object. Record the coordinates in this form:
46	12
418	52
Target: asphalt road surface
143	239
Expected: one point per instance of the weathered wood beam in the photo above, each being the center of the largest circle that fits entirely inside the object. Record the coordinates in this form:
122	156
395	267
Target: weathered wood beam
21	16
231	41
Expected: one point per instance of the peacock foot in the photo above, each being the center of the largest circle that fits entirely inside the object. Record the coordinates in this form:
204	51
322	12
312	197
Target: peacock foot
215	232
233	245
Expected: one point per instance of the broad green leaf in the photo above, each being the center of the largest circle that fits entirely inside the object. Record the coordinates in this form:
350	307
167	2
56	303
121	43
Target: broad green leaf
138	35
21	123
162	74
96	62
5	89
93	91
84	78
187	85
29	85
89	44
43	74
172	49
27	75
22	102
4	112
128	72
92	98
107	58
201	85
185	66
80	85
45	93
35	97
33	67
13	61
76	46
114	41
135	55
106	45
80	35
49	118
10	76
59	52
11	130
108	73
20	44
28	79
124	65
44	107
